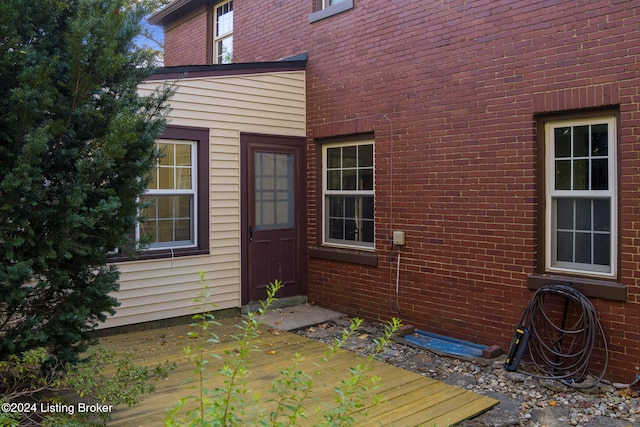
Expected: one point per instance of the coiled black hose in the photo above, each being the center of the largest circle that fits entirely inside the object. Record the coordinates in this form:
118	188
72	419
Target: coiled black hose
564	333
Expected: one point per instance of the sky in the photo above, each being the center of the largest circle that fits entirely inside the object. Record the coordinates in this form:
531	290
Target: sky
156	33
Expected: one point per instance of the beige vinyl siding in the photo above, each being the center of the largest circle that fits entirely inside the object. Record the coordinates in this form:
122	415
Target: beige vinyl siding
269	103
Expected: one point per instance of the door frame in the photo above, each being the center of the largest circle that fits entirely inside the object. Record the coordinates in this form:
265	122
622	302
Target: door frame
273	141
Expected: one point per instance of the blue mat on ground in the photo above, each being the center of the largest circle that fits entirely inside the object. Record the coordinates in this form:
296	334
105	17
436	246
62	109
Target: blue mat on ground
444	344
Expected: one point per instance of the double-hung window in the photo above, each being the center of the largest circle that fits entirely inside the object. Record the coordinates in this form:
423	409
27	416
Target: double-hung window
348	194
170	202
581	202
326	8
223	33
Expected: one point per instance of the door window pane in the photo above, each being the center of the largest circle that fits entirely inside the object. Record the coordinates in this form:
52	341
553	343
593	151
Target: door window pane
274	190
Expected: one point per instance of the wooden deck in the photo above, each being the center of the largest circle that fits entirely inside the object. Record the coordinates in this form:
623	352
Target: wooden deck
409	399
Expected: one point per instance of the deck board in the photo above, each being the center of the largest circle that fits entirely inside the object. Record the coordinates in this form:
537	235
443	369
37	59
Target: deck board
409	399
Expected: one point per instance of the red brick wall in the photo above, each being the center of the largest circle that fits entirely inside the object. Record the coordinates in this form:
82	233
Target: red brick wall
451	90
185	43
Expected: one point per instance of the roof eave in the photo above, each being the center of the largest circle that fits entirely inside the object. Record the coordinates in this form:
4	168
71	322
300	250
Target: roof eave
174	11
294	63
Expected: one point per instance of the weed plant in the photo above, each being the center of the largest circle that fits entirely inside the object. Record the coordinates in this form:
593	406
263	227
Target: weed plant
233	404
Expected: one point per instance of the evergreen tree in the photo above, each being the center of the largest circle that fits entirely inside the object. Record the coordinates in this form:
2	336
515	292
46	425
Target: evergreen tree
76	140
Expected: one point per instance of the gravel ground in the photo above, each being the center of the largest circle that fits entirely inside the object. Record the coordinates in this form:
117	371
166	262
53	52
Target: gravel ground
524	400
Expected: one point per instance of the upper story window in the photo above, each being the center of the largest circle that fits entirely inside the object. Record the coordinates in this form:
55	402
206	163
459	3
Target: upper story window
327	8
348	194
327	3
223	33
581	203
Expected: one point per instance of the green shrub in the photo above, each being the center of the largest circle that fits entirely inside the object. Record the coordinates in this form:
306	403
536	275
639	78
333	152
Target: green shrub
103	378
77	144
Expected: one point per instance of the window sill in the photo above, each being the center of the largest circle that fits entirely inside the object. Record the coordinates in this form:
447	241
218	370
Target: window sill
594	288
330	11
160	254
344	255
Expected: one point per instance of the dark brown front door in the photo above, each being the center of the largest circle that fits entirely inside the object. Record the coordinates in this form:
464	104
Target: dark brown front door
273	223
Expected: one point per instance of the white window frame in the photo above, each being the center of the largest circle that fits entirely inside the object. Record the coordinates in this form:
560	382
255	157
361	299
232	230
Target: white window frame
218	38
326	241
552	195
327	3
192	192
